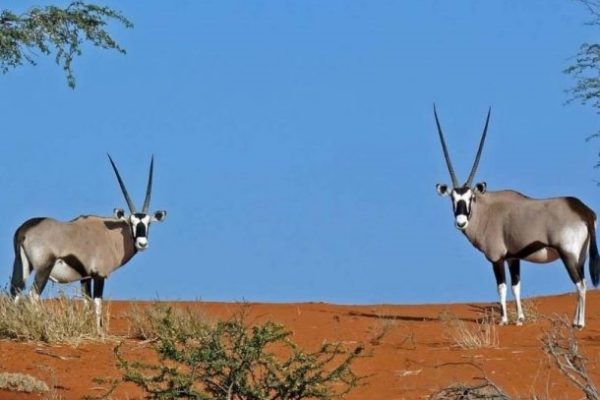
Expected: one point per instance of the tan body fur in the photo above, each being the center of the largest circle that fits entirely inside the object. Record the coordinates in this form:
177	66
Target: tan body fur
504	224
90	244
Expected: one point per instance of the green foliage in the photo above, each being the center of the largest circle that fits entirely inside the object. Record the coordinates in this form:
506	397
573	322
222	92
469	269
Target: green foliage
586	68
232	360
54	29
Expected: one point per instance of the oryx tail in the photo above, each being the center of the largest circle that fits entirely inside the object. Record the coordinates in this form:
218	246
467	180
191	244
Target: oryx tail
21	266
594	256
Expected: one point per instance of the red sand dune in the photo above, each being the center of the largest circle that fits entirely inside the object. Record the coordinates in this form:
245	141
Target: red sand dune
414	359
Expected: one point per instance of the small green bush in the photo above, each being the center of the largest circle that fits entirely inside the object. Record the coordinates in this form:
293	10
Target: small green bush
231	360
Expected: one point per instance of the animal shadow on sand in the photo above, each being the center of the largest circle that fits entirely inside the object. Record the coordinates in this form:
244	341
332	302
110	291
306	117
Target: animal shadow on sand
406	318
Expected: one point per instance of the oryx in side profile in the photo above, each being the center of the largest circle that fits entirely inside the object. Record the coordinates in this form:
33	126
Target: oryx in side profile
87	248
507	226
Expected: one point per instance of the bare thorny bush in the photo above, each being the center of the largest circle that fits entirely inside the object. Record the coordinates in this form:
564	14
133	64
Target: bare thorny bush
562	347
235	360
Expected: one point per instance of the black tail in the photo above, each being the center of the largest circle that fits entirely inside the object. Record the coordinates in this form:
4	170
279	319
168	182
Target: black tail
594	257
17	280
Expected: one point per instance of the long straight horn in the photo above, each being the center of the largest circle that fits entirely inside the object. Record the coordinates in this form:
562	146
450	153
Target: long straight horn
446	155
476	163
148	188
123	189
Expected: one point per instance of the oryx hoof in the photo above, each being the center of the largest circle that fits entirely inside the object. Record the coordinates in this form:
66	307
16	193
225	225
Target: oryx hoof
578	326
503	322
520	321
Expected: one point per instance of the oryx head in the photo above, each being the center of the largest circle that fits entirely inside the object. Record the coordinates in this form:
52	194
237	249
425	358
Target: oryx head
138	221
462	196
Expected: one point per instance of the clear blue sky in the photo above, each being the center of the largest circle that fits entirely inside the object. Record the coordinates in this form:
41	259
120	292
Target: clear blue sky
296	150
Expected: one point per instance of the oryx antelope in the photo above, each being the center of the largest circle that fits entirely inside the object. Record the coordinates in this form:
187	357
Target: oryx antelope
85	249
508	226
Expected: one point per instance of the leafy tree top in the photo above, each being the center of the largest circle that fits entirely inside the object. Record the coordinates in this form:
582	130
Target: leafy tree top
58	31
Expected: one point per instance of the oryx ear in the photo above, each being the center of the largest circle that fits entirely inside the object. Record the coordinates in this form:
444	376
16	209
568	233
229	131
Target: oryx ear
442	189
159	216
480	187
119	213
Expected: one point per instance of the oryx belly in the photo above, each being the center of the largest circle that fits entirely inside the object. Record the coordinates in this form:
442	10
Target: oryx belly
544	255
64	273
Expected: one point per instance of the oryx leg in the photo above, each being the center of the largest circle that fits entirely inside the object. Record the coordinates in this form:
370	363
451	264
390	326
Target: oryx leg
98	290
21	271
39	282
86	292
500	275
574	264
514	266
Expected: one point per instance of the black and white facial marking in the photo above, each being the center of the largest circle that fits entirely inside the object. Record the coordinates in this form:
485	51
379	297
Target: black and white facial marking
140	225
139	222
462	201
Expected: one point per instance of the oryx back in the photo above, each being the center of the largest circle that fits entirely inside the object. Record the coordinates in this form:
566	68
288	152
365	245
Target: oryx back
507	224
84	247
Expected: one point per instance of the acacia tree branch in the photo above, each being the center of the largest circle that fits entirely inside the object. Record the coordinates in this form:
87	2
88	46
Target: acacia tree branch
58	31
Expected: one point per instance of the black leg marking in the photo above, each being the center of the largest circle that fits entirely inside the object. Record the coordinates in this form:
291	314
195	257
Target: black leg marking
514	266
86	288
499	272
500	275
98	287
98	290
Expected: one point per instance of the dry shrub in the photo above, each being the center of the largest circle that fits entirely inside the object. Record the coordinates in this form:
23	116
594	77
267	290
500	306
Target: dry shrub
147	322
381	330
60	320
560	343
486	390
482	334
15	382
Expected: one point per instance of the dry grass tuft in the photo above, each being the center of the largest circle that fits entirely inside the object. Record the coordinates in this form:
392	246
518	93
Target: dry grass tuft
530	309
381	330
483	334
15	382
60	320
147	322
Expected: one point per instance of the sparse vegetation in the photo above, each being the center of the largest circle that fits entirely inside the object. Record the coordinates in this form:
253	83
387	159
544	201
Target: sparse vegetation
482	334
60	320
486	390
562	346
147	323
530	309
381	330
232	359
16	382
